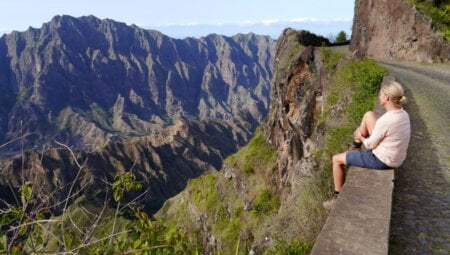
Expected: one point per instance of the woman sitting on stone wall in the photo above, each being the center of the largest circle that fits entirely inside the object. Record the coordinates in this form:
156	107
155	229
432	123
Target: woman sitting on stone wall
386	138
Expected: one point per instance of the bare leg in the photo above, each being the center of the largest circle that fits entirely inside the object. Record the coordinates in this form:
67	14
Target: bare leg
339	161
338	171
368	123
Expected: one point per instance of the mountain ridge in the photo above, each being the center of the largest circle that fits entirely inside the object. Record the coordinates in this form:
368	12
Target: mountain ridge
122	98
126	80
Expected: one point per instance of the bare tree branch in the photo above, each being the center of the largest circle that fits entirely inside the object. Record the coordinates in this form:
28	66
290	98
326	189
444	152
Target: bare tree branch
31	223
16	139
93	242
80	167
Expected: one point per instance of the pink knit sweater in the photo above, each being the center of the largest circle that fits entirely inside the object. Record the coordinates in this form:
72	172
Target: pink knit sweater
390	137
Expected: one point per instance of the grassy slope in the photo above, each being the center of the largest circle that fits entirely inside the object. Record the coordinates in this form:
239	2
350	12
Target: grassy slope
216	199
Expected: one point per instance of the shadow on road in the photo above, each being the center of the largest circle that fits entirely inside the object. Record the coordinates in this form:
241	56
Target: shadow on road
421	201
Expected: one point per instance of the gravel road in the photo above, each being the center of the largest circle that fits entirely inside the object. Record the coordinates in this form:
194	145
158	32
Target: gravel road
420	221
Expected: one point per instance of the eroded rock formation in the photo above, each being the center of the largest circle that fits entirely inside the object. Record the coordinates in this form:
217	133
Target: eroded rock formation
86	81
296	105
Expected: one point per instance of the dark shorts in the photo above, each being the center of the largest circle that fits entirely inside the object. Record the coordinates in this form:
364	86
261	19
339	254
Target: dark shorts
364	159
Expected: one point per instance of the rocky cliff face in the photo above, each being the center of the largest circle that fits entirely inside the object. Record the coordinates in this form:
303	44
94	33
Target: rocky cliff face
86	81
395	30
297	103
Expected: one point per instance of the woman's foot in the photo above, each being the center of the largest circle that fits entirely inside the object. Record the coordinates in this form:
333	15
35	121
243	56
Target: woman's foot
329	204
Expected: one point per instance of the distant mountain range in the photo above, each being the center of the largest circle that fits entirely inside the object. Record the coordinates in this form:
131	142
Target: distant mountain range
86	81
125	99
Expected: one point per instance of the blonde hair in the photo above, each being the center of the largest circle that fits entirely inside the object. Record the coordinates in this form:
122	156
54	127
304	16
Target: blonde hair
394	91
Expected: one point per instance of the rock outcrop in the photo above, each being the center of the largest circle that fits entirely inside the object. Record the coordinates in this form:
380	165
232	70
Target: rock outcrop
296	105
396	30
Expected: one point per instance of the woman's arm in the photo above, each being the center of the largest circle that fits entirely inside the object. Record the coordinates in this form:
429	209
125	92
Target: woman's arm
378	134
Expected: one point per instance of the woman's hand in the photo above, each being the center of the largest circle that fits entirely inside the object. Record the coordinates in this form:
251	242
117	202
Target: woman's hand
357	135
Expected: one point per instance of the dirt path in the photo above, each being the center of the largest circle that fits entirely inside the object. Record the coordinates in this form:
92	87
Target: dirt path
420	221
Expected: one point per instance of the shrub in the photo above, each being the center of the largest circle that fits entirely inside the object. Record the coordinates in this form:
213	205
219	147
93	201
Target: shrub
266	202
330	58
341	37
255	155
438	11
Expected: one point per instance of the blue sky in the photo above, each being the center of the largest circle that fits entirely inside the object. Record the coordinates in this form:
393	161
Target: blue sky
182	18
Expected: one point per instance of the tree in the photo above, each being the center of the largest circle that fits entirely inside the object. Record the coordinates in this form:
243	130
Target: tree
341	37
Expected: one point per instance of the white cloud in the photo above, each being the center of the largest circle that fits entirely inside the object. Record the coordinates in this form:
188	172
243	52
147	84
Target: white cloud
304	20
314	20
188	24
247	23
270	22
243	23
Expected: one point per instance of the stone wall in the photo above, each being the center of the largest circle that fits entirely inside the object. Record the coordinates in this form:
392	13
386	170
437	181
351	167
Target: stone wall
359	222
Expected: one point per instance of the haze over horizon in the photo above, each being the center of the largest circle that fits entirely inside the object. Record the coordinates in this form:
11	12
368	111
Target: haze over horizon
199	18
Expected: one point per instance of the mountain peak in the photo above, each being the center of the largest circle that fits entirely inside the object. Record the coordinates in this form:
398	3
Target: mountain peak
103	77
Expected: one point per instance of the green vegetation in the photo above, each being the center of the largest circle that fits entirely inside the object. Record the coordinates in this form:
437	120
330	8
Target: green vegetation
88	226
255	155
330	58
290	50
124	183
438	11
266	202
292	248
289	57
341	37
236	216
204	193
361	81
